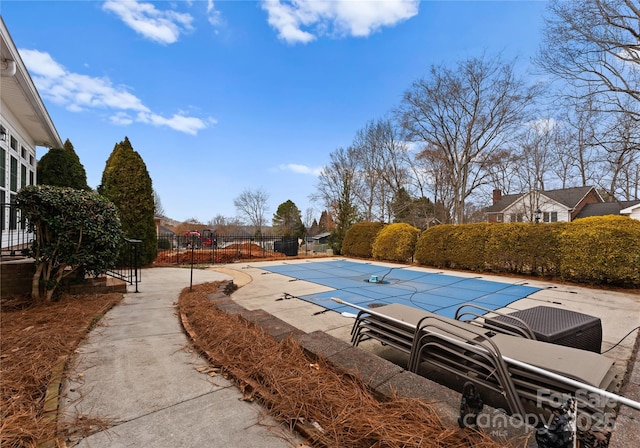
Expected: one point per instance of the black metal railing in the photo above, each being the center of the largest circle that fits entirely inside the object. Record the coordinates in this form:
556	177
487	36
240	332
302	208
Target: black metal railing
128	268
181	249
16	238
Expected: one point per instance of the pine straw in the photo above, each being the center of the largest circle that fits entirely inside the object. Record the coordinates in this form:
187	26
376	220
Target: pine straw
33	339
301	391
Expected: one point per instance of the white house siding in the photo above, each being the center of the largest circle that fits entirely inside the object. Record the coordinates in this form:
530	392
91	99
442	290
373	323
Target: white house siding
522	206
632	212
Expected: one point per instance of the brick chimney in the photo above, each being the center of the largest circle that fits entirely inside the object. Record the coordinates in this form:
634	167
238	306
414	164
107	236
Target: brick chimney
497	195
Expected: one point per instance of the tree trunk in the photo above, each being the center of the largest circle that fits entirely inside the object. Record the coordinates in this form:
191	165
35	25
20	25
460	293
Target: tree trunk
35	283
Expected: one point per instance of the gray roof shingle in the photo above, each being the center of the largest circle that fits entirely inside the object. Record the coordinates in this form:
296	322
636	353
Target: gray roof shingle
604	208
569	197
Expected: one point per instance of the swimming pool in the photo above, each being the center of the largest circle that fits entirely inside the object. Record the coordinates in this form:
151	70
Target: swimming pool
431	291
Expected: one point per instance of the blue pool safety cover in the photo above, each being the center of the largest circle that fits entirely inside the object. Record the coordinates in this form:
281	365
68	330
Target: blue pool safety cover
439	293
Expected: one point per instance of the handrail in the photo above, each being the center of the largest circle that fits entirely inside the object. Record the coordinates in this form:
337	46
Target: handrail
129	273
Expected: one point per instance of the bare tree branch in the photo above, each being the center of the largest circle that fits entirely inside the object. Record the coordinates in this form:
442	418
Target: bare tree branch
252	205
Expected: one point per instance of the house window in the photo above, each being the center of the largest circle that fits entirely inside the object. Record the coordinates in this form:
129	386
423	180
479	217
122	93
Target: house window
23	176
23	152
31	159
2	211
550	217
13	179
3	174
516	217
499	217
14	143
13	214
31	178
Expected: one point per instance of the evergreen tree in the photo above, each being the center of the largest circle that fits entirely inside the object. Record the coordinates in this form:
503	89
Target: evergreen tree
346	216
61	167
314	229
288	221
326	223
126	182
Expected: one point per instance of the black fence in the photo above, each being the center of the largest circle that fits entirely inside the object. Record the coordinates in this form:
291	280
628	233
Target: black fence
212	249
15	235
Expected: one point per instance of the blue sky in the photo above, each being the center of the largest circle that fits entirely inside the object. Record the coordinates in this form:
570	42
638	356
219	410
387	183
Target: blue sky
227	96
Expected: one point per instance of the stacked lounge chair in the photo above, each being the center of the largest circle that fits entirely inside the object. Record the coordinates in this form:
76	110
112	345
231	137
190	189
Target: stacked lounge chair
505	358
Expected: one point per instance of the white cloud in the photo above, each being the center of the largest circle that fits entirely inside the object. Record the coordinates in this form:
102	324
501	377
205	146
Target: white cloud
43	62
163	27
301	169
542	125
121	118
77	93
213	15
188	125
357	18
413	147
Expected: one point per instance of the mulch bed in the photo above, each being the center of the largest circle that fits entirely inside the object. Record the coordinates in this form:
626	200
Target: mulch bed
34	340
228	254
332	409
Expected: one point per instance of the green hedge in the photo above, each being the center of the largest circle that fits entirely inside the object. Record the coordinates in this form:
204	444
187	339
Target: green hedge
591	250
396	242
601	250
524	248
432	246
468	250
359	238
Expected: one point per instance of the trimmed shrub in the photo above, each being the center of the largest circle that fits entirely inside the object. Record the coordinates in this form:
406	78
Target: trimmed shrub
467	246
597	250
76	231
358	241
601	249
504	247
542	249
431	248
523	248
453	246
396	242
510	247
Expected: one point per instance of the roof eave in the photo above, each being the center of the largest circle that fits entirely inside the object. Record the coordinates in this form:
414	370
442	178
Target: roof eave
31	95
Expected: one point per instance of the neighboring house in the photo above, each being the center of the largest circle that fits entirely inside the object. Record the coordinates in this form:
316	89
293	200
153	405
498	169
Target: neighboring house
609	208
321	238
561	205
165	231
161	229
24	125
632	211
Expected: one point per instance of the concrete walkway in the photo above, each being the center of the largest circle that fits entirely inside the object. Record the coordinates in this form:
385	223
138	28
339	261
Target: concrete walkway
136	373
